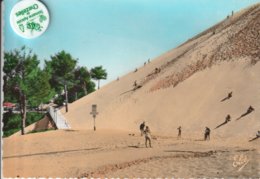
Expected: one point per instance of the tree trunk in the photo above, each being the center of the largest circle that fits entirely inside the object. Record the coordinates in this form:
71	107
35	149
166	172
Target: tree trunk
76	96
98	83
23	112
85	88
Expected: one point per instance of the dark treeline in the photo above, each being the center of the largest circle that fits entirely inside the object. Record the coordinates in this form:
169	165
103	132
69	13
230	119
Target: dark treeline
28	85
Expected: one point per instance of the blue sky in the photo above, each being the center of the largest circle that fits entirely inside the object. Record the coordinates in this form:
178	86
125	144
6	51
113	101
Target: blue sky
119	34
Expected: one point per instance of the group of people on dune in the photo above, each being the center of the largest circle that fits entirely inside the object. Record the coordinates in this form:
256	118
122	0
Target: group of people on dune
146	132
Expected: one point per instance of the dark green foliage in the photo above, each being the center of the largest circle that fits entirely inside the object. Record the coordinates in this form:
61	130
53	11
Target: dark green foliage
64	70
91	87
61	68
22	71
12	122
24	82
98	73
27	85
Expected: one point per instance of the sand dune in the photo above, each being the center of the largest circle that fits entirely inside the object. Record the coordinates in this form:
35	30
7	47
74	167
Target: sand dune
186	90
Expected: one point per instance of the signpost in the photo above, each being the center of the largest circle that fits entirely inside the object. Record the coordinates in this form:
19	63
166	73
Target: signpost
94	113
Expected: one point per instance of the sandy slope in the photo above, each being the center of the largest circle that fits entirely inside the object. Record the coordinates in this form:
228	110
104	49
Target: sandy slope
194	78
203	77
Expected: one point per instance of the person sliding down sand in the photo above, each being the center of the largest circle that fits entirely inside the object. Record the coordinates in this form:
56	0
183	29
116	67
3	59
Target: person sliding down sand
147	134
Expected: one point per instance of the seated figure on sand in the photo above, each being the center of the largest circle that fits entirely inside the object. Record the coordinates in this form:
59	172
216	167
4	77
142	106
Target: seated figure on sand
147	134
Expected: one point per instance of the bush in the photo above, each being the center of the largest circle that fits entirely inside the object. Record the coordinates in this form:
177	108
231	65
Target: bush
12	122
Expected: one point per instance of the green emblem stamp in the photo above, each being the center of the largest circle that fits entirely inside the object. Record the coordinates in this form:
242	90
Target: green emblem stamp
29	18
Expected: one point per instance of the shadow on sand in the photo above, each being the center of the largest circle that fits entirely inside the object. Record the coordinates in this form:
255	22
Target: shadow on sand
135	88
253	139
50	153
221	125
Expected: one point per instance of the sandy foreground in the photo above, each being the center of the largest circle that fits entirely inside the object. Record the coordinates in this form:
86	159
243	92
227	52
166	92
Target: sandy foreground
107	153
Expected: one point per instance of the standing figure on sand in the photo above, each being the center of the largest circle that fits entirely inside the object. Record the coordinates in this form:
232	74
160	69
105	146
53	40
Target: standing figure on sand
142	128
207	134
147	134
179	132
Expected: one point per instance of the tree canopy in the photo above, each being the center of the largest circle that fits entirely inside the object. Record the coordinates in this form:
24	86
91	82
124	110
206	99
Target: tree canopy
26	84
22	71
98	73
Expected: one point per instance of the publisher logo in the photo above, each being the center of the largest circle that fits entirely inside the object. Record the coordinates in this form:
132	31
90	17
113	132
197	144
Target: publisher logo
29	18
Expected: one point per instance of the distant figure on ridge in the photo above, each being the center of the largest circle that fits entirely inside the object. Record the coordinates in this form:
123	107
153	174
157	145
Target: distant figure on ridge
226	121
157	70
207	134
179	132
142	128
148	137
135	84
228	97
249	110
144	63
